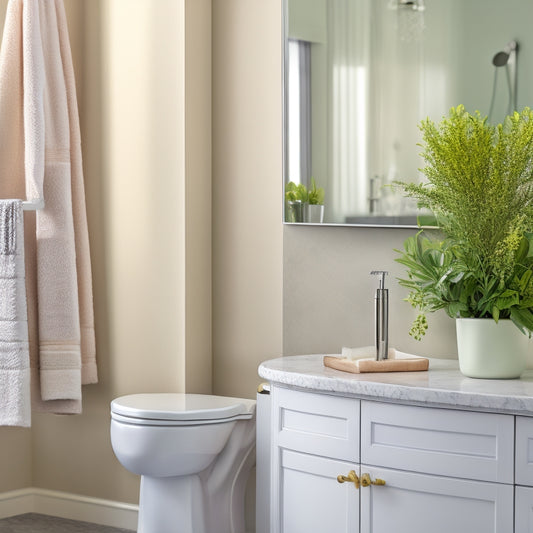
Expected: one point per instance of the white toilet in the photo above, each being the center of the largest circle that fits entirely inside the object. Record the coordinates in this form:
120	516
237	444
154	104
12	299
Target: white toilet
194	453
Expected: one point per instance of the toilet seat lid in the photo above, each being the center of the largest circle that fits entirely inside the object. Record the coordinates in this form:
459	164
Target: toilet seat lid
179	406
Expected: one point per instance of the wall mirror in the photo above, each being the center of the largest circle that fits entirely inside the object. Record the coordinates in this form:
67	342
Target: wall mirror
359	75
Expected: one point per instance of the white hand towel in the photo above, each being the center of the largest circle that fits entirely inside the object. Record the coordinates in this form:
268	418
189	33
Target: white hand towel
15	401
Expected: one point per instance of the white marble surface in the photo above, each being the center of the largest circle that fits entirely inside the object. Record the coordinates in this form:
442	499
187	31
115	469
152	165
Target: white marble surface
442	385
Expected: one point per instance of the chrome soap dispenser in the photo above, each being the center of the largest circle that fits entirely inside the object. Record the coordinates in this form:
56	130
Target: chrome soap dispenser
382	317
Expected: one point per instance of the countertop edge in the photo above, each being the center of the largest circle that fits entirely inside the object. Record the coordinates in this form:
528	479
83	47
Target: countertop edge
313	378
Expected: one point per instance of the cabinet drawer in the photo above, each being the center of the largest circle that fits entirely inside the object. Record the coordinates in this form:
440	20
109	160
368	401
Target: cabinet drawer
438	441
524	451
316	423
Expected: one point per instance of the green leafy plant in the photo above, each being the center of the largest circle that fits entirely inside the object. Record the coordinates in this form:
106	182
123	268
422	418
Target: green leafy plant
296	193
480	190
316	195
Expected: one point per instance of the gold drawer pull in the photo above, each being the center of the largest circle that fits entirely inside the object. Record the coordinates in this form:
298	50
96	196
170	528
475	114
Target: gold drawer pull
367	481
351	478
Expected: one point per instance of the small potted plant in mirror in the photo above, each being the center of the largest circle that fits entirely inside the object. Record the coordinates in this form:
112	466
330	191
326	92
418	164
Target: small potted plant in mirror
478	264
314	208
295	199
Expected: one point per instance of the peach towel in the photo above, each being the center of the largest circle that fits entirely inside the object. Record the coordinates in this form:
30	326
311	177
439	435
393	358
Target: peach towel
40	157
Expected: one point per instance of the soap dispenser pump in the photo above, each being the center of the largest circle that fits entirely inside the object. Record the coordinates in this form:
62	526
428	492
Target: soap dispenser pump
382	317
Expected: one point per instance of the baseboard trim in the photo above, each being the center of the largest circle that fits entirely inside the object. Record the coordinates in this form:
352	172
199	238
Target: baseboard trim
16	502
66	505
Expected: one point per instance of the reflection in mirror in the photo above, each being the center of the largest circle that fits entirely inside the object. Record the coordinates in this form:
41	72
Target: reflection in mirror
361	74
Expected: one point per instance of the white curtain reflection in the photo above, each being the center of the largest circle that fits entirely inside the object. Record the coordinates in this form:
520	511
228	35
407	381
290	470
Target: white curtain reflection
348	60
372	133
401	92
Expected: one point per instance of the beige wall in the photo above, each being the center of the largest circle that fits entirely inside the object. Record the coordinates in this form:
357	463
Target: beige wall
130	99
151	253
328	292
187	287
15	458
247	167
143	74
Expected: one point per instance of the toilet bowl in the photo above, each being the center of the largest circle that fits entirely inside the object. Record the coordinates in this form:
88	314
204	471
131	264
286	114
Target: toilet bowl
193	452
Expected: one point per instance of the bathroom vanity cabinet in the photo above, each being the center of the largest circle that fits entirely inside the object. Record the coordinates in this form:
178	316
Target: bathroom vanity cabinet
454	454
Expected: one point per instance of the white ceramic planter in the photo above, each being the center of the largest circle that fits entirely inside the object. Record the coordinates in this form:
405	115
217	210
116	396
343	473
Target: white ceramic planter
491	350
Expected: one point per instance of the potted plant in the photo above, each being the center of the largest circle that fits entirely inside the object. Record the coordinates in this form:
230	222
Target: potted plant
295	198
478	264
302	205
315	205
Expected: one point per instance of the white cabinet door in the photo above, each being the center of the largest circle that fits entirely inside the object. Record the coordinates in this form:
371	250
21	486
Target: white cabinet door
420	503
310	498
523	510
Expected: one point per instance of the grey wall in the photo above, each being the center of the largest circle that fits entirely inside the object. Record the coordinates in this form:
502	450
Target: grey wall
328	294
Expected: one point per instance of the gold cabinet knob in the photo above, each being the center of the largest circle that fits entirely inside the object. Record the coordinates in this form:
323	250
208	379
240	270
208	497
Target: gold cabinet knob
352	477
366	481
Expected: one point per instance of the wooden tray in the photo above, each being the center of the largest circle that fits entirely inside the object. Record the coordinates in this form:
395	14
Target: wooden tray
360	366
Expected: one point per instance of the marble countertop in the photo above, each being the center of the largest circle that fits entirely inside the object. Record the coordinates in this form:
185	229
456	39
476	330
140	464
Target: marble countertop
442	385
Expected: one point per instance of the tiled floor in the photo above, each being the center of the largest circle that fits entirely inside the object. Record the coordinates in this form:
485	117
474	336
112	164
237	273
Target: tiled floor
38	523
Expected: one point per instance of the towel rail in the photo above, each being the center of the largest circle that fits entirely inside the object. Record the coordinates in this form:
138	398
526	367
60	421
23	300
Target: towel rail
32	206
